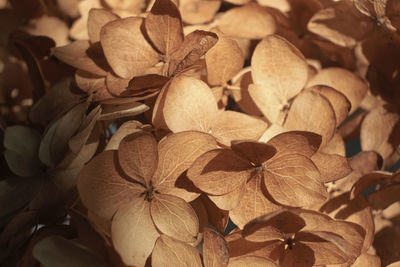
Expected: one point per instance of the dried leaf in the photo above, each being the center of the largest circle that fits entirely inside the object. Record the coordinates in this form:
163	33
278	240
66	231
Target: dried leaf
169	252
174	217
60	98
84	56
21	150
15	193
60	252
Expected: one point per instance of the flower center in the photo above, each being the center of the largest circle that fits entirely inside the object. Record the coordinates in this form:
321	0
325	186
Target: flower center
289	243
149	193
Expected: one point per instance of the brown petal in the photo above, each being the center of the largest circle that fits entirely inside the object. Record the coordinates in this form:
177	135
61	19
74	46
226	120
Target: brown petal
384	197
253	204
250	21
164	26
223	61
101	187
275	60
189	105
251	261
361	164
350	232
125	47
376	131
133	232
327	248
356	210
219	172
254	152
215	249
198	11
93	85
341	105
115	84
332	167
243	98
370	179
170	252
304	143
124	130
273	226
367	259
217	218
195	45
333	22
147	81
240	247
230	200
346	82
294	180
174	217
97	18
176	153
299	255
119	110
335	146
231	125
310	111
272	131
138	156
273	106
79	55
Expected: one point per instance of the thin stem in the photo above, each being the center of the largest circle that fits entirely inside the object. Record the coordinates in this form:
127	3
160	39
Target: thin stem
240	74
